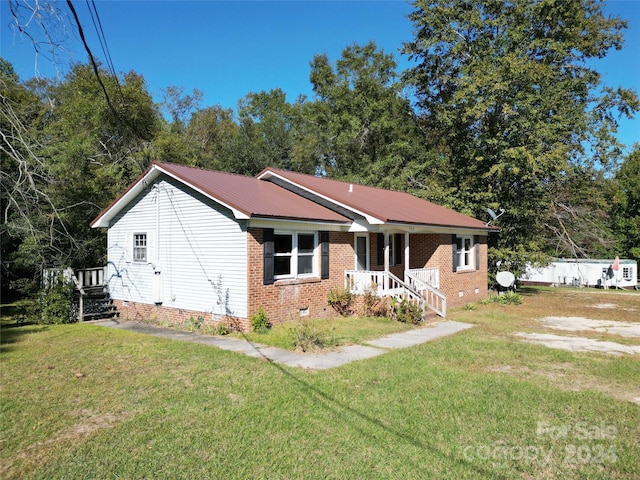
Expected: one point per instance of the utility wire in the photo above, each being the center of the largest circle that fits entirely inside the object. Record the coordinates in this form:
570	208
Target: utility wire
93	11
91	58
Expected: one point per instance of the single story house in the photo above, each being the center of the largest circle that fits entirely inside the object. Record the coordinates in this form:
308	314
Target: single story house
186	242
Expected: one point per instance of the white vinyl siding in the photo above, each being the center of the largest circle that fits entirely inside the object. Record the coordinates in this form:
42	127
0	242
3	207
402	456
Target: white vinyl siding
196	253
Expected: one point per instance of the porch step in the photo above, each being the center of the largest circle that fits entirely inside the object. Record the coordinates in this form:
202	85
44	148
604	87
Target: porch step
96	304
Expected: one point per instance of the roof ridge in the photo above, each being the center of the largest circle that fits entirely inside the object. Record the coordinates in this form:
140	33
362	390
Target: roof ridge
335	180
202	169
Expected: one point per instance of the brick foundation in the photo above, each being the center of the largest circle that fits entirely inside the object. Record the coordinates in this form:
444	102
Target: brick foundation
158	314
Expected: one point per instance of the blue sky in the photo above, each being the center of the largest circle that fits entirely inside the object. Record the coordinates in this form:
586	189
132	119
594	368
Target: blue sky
228	49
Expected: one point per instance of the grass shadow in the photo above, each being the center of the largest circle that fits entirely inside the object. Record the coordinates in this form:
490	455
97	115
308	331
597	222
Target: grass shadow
14	323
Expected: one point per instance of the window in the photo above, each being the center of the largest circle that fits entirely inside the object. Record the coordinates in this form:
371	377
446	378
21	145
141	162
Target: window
463	253
627	273
139	247
396	245
294	254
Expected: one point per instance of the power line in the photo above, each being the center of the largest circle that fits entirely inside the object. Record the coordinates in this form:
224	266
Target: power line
91	58
93	11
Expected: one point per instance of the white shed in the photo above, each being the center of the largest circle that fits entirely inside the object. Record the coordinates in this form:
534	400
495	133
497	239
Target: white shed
583	272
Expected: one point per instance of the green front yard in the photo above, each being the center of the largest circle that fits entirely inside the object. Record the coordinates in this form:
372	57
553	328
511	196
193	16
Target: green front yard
82	401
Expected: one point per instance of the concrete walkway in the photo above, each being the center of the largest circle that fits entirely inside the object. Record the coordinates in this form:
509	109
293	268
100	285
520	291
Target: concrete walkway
313	361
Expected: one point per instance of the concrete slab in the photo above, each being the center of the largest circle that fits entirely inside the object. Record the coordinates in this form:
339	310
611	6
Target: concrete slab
419	335
315	361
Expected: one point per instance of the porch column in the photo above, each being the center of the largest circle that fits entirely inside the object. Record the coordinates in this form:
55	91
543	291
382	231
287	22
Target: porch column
406	251
386	251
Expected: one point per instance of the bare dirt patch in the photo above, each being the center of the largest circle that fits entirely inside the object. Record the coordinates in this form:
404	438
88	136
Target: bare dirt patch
583	344
576	324
88	423
578	344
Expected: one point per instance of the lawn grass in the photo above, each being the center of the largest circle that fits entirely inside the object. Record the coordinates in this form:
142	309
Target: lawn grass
82	401
336	331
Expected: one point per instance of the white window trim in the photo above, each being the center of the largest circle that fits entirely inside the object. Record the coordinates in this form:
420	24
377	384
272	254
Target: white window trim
366	252
129	246
139	248
294	255
460	254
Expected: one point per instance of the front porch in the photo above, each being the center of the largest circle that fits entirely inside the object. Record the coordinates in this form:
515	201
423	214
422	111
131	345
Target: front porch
419	287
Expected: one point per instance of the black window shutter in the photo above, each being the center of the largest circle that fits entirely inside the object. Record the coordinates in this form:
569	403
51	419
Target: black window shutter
399	245
324	255
268	250
454	257
381	249
476	241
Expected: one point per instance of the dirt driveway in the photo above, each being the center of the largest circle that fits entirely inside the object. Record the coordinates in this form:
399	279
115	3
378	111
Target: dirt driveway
612	329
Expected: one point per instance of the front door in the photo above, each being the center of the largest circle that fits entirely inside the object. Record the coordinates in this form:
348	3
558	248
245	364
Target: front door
362	252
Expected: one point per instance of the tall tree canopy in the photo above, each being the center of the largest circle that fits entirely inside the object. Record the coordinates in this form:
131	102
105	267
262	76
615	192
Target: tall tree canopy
509	100
366	129
66	153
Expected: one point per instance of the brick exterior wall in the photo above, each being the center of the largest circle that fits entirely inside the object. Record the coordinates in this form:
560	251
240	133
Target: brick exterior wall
158	314
435	250
284	300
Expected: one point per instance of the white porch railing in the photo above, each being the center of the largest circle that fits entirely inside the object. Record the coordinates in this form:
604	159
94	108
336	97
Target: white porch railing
430	276
91	277
386	284
82	278
435	299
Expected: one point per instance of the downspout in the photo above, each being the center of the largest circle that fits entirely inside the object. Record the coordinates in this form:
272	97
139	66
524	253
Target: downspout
157	279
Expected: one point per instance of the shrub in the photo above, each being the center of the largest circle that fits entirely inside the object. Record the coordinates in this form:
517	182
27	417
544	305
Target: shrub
260	321
308	337
405	312
469	306
373	306
340	299
219	329
506	298
54	304
193	324
511	298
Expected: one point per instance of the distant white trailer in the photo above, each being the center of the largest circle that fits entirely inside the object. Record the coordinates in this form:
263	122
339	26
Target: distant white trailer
583	272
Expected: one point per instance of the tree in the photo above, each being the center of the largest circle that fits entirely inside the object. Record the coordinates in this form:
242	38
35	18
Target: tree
97	148
366	130
511	106
626	205
30	218
211	132
66	153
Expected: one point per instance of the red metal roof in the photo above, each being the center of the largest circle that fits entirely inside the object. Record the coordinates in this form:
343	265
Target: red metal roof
253	197
385	205
247	196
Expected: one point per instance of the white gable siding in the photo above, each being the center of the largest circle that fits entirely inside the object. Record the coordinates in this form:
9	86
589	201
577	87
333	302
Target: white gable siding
197	252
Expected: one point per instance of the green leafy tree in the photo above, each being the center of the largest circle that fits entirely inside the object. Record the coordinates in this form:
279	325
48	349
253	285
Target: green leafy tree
511	107
365	129
626	205
97	149
212	132
30	219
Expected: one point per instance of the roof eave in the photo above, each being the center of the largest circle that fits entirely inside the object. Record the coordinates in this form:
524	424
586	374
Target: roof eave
104	218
